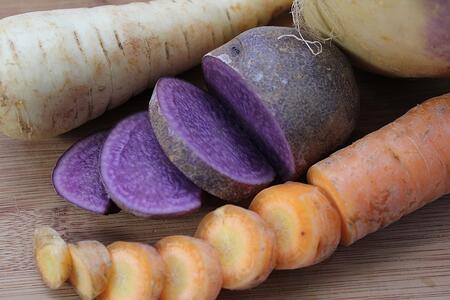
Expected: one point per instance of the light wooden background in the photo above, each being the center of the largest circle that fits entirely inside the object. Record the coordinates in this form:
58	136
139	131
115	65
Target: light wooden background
408	260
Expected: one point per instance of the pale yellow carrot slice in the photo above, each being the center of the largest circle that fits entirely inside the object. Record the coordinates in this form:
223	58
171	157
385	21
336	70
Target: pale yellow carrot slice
52	257
137	273
307	226
193	269
244	242
91	268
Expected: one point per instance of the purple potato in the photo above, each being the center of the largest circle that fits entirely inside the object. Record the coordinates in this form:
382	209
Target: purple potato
297	107
76	176
139	178
205	142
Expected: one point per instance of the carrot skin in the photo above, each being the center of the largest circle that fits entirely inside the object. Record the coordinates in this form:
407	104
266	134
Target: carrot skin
390	172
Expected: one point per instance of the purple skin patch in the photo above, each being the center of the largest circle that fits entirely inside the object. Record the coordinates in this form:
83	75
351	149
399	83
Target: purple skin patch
203	124
76	176
438	27
226	83
139	177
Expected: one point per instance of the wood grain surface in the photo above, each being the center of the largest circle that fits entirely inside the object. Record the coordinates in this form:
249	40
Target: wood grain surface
408	260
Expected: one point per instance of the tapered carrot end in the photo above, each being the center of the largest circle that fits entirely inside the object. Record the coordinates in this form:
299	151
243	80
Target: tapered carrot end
244	242
52	257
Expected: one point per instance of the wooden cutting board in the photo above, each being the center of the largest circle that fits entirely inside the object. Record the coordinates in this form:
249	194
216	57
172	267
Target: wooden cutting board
408	260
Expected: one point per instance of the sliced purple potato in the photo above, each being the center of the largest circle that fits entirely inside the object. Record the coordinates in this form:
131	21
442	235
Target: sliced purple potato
76	176
204	141
139	178
298	107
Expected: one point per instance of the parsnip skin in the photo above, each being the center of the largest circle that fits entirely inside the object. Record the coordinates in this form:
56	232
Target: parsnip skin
307	226
244	242
81	62
52	257
137	273
193	269
91	268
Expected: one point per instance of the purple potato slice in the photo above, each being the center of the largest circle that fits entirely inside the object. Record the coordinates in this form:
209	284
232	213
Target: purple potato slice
139	178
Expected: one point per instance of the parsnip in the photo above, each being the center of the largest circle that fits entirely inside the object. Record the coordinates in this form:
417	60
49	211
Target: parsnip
61	68
91	268
137	273
52	257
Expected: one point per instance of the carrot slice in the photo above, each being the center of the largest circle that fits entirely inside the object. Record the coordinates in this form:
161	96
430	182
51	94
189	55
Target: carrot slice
307	226
52	257
390	172
91	268
137	272
244	242
193	269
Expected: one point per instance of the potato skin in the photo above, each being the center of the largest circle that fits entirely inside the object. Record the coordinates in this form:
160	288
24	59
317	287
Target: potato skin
313	99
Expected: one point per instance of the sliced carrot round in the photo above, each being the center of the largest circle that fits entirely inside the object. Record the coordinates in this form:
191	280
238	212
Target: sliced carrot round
307	226
244	242
193	268
137	272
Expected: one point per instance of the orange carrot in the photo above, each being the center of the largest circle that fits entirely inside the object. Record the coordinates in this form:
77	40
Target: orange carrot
244	242
193	269
137	272
391	172
307	226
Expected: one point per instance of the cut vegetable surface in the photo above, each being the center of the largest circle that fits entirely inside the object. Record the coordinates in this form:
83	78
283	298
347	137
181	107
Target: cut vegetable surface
193	269
391	172
52	257
91	268
298	107
137	273
76	176
244	242
205	142
61	68
139	177
407	38
307	226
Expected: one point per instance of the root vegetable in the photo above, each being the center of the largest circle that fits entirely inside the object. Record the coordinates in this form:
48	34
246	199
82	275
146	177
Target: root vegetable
205	142
298	107
244	242
76	176
52	257
62	68
391	172
137	272
138	176
406	38
306	225
91	268
193	269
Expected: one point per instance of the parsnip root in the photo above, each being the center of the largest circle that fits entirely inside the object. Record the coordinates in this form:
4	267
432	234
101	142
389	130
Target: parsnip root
244	242
62	68
52	257
91	268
